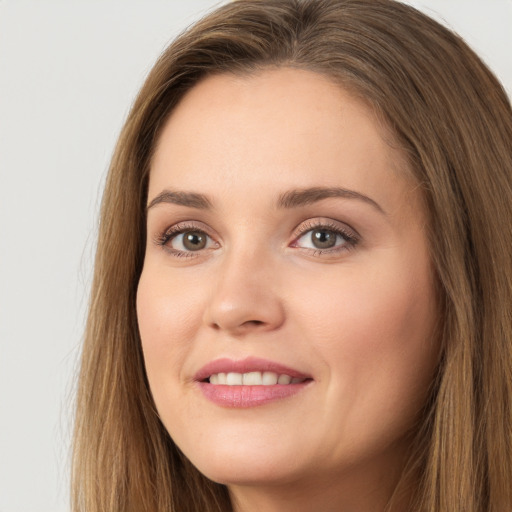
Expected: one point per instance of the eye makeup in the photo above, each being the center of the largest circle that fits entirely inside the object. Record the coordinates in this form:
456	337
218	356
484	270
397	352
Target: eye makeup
186	239
323	236
317	237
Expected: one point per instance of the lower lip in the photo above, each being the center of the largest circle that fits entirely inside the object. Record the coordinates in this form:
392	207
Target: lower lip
249	396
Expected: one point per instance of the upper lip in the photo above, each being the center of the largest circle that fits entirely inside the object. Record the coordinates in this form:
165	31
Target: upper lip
250	364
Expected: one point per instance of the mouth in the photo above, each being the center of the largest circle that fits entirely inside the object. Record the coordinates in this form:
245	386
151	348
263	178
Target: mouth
256	378
249	382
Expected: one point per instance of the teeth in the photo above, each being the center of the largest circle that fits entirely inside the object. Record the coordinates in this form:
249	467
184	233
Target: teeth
284	379
269	378
234	379
253	379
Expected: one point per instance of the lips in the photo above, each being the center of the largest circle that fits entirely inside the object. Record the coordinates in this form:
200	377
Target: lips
249	382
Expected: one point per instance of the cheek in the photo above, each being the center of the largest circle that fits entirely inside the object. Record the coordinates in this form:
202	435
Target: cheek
167	321
382	303
374	331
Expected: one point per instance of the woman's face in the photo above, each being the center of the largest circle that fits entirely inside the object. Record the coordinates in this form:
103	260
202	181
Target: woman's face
285	242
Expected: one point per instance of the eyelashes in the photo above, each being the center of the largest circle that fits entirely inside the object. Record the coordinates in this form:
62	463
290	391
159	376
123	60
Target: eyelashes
186	239
316	237
324	236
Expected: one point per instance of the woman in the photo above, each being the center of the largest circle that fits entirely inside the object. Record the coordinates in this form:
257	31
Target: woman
304	277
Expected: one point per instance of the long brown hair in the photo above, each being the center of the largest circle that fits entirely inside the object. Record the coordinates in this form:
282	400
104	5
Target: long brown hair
453	121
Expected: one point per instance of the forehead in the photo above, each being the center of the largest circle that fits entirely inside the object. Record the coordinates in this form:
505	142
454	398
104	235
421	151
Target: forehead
275	129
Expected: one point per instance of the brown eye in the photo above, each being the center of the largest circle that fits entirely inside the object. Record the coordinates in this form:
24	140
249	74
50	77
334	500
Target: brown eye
326	238
190	241
194	240
323	238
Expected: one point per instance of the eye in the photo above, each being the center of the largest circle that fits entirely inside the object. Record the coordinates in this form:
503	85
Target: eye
321	239
325	238
189	241
184	240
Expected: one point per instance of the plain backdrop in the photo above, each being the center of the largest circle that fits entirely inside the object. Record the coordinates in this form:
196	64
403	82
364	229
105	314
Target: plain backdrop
69	71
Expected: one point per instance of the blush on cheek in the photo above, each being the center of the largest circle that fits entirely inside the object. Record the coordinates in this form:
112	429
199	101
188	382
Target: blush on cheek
163	313
382	317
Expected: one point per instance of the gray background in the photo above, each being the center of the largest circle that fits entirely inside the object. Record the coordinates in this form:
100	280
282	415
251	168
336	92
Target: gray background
68	72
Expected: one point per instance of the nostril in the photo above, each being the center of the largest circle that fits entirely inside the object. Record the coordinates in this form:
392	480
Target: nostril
253	323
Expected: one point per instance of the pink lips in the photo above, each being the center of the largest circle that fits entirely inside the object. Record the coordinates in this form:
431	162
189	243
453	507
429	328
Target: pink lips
239	396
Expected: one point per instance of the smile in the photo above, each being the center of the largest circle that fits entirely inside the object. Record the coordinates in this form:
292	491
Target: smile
253	379
249	382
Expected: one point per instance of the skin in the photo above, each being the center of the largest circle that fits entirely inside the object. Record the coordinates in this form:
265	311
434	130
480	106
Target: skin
359	318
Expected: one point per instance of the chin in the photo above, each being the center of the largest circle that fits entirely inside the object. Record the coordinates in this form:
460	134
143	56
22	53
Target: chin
243	475
246	465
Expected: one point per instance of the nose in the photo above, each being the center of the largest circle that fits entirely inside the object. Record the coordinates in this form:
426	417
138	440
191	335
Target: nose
245	296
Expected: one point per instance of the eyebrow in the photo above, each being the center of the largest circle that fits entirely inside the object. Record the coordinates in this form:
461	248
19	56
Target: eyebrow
291	199
190	199
302	197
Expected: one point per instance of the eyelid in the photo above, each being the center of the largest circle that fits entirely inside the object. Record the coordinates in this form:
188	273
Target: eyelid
164	237
351	236
325	222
